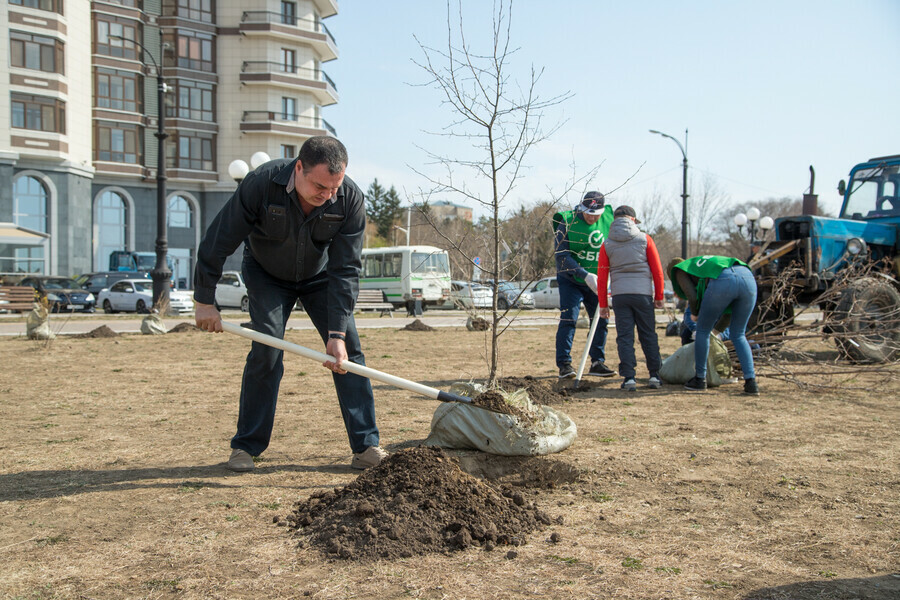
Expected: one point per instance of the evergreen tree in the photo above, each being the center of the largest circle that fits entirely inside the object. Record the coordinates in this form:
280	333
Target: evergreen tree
383	207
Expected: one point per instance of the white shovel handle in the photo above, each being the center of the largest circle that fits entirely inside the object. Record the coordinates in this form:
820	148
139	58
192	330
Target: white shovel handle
587	346
321	357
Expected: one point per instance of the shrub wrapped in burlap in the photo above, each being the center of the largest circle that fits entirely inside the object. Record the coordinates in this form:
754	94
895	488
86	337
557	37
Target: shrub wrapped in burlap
679	368
153	325
37	323
541	430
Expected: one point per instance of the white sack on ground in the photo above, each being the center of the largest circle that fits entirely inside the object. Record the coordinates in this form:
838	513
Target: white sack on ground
153	325
37	323
679	368
464	427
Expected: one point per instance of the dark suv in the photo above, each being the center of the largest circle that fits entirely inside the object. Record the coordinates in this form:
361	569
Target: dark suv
94	282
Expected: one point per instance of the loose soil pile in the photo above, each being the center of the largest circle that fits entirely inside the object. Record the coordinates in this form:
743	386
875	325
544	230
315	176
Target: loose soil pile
183	327
101	332
417	501
540	391
495	401
418	325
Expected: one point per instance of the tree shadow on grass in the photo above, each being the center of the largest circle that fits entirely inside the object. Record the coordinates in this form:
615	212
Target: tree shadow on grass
882	587
32	485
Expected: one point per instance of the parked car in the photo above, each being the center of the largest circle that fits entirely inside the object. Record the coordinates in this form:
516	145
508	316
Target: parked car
136	295
62	293
469	294
510	296
231	291
94	282
545	293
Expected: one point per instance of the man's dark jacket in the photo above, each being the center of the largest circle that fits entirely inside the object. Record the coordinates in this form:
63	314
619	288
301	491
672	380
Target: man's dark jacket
286	243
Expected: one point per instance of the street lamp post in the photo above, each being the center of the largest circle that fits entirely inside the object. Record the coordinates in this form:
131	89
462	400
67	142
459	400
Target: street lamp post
160	274
238	169
684	194
754	223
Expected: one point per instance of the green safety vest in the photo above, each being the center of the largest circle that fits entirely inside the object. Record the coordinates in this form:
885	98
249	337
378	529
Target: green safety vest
584	240
704	268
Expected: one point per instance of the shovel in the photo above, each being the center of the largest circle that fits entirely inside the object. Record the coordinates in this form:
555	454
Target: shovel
587	347
321	357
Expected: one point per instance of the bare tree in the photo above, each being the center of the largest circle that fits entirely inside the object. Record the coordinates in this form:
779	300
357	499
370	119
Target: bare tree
500	119
706	207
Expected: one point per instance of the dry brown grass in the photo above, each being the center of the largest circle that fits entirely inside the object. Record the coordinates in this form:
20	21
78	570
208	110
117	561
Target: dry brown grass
112	482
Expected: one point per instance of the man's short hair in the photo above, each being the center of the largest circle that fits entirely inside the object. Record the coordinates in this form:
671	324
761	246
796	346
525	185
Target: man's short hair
323	149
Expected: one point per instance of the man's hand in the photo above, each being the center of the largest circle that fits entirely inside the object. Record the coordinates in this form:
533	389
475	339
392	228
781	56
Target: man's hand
338	349
207	317
591	280
603	313
659	303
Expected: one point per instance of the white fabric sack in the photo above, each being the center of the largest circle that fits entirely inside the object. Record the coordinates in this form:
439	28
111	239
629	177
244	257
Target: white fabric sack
152	325
464	427
37	323
679	367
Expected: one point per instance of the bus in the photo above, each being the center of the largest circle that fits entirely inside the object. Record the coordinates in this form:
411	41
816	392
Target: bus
406	274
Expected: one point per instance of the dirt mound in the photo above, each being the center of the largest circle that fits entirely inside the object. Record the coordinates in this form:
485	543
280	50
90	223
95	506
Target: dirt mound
540	391
418	325
415	502
101	332
182	327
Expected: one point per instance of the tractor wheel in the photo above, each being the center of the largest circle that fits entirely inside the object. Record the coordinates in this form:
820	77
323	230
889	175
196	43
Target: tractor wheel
866	322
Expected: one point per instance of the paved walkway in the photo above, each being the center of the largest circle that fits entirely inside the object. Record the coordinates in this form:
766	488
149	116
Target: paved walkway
63	324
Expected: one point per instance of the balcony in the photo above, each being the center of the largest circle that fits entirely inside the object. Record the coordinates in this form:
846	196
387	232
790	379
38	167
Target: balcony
314	81
261	121
288	27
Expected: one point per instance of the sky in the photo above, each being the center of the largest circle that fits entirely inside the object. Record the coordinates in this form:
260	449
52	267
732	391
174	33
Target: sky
764	88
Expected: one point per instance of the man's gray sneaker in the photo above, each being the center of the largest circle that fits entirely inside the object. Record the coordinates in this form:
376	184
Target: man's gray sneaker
240	461
654	383
371	457
599	369
566	372
629	385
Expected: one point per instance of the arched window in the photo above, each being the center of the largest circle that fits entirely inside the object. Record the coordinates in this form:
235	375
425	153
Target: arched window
112	226
30	203
179	213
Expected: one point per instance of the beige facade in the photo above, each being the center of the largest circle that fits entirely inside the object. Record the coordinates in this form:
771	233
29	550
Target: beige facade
78	118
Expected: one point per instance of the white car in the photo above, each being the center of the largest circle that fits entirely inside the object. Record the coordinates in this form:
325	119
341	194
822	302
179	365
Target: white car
470	295
231	291
136	295
545	292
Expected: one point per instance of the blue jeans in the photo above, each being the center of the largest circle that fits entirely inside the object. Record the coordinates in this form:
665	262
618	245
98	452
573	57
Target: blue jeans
735	287
271	302
571	295
636	310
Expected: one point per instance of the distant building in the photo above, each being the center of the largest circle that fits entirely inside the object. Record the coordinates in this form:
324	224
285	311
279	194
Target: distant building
442	209
78	117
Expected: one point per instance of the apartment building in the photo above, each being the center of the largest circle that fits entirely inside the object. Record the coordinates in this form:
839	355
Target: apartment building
79	118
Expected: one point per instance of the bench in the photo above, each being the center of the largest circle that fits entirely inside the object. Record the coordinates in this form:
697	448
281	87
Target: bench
374	300
16	298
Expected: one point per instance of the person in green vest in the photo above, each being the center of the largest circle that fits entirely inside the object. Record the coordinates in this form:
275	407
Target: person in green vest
578	235
714	286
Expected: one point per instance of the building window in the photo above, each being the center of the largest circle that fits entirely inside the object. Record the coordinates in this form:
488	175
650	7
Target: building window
179	212
119	90
118	143
288	151
30	200
36	52
289	13
289	109
112	222
109	30
196	10
48	5
191	151
193	50
194	101
288	60
38	113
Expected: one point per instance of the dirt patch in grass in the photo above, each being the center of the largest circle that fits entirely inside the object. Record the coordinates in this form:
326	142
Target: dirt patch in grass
185	328
417	325
100	332
416	502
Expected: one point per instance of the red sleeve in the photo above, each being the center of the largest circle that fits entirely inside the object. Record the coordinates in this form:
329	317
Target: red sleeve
655	268
602	276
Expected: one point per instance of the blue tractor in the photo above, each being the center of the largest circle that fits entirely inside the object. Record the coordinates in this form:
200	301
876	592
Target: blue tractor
849	266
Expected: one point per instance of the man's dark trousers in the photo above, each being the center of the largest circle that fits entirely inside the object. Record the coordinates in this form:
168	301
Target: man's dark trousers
271	303
571	295
631	310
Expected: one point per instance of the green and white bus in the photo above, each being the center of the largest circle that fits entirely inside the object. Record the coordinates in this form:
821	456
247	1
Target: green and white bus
407	273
